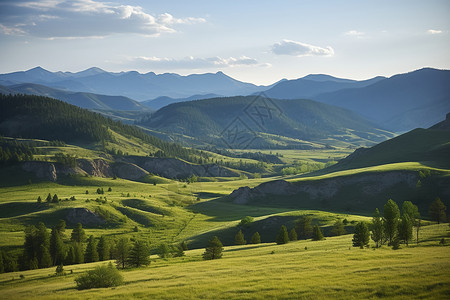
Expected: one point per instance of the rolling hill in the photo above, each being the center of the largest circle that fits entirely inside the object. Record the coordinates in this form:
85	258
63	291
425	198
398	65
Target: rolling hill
162	101
263	122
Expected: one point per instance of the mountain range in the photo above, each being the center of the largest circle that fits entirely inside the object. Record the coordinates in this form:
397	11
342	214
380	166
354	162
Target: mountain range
398	103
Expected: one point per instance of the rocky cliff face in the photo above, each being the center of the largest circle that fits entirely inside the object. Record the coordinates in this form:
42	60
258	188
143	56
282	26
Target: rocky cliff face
325	189
83	216
49	171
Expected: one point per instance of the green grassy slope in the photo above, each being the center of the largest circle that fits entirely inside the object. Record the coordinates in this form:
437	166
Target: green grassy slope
329	269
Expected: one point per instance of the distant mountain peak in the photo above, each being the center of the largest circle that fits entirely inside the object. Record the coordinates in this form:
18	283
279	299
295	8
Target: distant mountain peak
324	77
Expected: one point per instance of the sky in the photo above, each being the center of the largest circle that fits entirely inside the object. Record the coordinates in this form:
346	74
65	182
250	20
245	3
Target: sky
254	41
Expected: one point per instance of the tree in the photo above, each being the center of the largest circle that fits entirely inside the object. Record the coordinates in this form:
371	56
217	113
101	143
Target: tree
61	227
405	229
57	249
391	218
103	248
361	236
184	246
59	270
163	251
317	233
2	265
256	238
213	249
49	198
338	228
246	221
283	236
78	253
239	238
45	260
91	254
377	228
304	227
293	234
55	199
437	210
39	199
139	254
121	252
78	234
100	277
412	212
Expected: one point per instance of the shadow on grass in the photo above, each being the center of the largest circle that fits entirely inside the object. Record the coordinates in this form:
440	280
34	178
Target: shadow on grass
15	209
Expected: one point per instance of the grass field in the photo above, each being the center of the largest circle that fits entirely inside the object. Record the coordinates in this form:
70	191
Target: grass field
299	270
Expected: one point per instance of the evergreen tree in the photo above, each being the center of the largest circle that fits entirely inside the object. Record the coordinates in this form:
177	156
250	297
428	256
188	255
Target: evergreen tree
42	238
377	228
49	198
121	252
55	199
283	236
239	238
103	249
78	252
338	228
214	249
361	236
256	238
57	249
391	218
61	227
437	210
317	233
139	254
184	246
91	254
405	229
78	234
39	199
70	257
293	235
45	260
30	246
303	227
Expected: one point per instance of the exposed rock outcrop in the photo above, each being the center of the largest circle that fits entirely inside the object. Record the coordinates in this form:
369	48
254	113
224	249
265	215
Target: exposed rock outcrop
96	167
48	170
369	183
83	216
129	171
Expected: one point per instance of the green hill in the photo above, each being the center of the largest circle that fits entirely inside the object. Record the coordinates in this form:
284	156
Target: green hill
263	123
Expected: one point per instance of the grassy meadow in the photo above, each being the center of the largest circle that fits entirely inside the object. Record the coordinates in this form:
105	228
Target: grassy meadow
302	270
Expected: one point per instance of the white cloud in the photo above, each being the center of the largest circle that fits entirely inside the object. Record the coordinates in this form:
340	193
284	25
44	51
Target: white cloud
83	18
355	33
191	62
432	31
288	47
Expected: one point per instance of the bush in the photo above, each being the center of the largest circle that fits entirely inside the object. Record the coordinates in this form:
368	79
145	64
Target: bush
100	277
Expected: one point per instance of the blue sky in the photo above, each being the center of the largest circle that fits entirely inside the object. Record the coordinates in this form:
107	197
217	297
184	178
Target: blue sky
253	41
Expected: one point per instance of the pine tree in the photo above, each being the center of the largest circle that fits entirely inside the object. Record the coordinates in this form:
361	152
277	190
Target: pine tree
293	235
121	252
239	238
45	260
391	218
55	199
103	249
304	227
338	228
361	236
49	198
78	234
139	254
91	254
256	238
39	199
164	251
437	210
57	248
283	236
78	252
214	249
317	233
377	228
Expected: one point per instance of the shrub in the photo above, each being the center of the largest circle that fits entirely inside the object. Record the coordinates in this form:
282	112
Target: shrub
100	277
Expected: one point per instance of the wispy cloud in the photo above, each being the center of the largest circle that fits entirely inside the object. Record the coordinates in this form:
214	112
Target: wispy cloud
354	33
288	47
433	31
194	62
83	18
